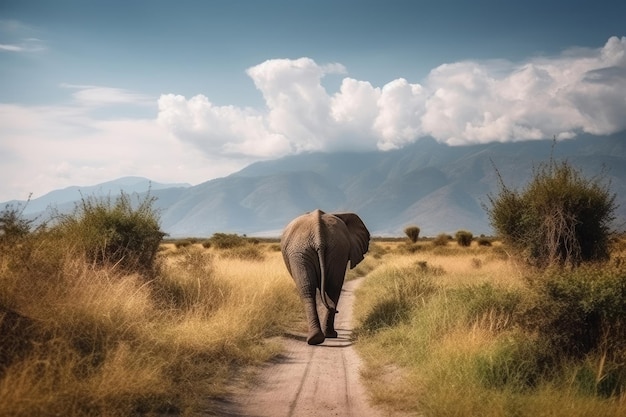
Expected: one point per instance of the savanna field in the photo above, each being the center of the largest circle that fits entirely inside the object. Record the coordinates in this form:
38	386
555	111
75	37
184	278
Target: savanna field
99	316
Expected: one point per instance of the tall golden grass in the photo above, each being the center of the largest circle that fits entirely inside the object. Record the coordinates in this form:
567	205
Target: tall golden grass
82	339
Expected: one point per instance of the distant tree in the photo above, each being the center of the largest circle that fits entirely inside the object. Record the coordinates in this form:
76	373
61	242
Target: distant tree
464	238
413	233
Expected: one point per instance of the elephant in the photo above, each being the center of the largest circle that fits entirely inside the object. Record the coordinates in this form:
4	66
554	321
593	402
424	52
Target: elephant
316	248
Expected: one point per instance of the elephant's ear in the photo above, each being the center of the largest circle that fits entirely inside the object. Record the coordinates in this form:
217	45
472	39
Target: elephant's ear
359	237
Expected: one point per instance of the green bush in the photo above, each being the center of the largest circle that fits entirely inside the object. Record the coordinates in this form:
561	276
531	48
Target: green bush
559	218
464	238
116	232
227	241
581	310
413	233
569	318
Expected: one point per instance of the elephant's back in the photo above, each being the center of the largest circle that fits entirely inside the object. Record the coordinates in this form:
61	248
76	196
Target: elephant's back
303	228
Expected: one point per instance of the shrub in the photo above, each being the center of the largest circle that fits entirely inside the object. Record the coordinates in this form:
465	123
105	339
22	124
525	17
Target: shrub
483	241
184	243
581	310
114	233
413	233
13	225
560	218
464	238
248	252
227	241
441	240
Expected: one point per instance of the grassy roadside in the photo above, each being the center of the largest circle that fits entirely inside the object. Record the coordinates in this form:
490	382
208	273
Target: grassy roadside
450	331
80	339
444	330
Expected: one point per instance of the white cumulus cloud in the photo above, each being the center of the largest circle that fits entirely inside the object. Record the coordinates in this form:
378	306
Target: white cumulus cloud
400	107
580	90
298	105
226	130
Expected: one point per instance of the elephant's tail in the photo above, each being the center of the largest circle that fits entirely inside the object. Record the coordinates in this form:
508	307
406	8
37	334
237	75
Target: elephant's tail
327	303
321	253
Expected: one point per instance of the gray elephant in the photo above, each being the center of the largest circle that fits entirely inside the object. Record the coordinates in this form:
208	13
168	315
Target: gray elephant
316	248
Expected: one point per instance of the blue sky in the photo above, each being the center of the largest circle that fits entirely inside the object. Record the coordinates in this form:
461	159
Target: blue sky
192	90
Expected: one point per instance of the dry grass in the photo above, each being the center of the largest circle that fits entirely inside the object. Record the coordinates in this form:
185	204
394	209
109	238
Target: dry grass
80	339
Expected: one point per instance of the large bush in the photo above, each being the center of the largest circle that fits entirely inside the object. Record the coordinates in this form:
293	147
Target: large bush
560	218
581	310
120	232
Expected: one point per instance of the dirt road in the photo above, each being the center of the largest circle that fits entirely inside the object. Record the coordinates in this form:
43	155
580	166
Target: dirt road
308	380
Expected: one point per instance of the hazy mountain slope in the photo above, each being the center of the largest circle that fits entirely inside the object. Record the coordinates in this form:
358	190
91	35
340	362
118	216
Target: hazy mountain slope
441	188
243	204
64	198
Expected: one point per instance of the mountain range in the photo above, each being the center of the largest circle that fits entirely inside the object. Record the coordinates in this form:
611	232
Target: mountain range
437	187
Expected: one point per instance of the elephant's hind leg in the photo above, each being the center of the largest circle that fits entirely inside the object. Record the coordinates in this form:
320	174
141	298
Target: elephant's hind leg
315	336
329	325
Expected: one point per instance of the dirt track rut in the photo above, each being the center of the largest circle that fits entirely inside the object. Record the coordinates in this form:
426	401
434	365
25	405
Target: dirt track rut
308	380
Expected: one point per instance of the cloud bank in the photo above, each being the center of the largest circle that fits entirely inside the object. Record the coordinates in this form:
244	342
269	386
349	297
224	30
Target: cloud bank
104	133
469	102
